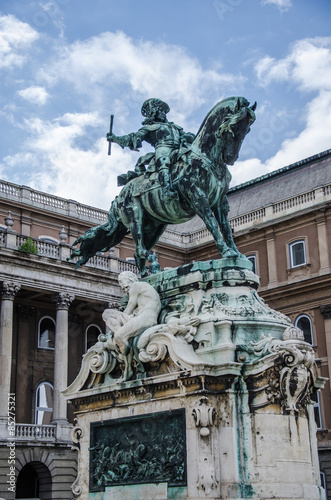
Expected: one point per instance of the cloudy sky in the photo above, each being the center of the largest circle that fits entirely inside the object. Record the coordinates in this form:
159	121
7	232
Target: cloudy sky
66	65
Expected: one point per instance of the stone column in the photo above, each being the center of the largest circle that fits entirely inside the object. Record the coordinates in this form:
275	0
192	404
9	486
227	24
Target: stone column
272	262
62	301
8	292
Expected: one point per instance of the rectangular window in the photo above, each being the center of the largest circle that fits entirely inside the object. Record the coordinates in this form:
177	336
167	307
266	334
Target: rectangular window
297	253
252	259
317	410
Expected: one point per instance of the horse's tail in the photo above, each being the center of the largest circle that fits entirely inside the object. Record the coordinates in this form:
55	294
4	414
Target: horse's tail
99	238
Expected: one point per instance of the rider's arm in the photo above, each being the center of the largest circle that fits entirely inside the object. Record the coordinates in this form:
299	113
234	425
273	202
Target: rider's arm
132	141
188	137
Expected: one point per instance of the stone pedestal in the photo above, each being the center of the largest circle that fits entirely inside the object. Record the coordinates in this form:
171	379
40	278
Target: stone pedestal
222	410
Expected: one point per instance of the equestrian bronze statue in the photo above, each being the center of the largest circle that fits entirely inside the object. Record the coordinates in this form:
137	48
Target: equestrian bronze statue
187	175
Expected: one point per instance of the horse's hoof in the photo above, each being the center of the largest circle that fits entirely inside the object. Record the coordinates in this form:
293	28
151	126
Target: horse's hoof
230	253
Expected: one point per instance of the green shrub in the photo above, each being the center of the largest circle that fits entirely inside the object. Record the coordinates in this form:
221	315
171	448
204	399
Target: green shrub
29	246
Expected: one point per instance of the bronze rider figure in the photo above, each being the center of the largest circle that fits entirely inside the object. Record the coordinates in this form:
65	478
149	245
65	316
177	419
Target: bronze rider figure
166	137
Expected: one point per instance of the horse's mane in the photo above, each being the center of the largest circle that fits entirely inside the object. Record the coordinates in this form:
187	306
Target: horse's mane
205	138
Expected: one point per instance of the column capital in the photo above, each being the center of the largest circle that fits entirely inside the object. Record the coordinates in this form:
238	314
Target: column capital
63	300
9	289
326	311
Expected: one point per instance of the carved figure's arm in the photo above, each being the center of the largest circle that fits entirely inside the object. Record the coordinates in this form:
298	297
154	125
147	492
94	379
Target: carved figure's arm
133	299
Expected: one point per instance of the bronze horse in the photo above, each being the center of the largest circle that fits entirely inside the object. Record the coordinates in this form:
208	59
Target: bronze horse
201	178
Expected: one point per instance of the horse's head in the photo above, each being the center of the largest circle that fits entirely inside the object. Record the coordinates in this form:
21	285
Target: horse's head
224	129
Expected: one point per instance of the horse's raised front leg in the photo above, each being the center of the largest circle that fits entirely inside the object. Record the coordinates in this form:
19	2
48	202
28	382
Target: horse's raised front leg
221	211
200	203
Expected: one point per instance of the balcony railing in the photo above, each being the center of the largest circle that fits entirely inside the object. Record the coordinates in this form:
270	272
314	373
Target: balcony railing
59	251
34	432
37	199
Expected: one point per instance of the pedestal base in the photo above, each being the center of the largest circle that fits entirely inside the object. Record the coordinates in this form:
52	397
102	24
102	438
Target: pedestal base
222	410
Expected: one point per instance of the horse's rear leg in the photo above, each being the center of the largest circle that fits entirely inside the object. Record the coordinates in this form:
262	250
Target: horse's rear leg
221	211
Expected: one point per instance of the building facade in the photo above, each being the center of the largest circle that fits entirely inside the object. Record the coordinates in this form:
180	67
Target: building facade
51	313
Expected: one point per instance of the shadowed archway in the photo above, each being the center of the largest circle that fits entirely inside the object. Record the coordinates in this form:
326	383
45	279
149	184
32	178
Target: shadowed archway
34	481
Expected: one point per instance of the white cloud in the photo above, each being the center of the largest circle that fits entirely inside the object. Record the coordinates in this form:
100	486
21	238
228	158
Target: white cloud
283	5
307	67
147	69
16	37
64	160
115	73
35	95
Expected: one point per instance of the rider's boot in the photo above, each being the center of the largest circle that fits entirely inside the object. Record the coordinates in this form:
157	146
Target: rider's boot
165	181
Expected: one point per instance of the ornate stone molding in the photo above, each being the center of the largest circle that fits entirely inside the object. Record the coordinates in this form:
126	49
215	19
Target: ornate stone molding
76	488
9	290
76	434
63	300
204	416
286	370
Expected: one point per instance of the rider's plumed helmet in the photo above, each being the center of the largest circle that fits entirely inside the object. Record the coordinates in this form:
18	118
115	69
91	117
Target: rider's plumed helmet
150	104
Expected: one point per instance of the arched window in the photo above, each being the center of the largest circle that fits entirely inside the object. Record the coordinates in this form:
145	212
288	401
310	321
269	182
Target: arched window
46	333
304	323
297	253
92	333
44	404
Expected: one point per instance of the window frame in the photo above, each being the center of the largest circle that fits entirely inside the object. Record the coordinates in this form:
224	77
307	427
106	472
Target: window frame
323	480
317	404
304	315
38	409
86	329
39	323
254	257
291	259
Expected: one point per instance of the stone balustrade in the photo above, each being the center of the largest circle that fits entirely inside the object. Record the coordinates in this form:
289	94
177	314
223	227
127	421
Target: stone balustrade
61	252
35	432
93	215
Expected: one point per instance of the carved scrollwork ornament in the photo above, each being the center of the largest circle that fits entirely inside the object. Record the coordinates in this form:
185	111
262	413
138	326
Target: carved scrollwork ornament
99	362
294	374
204	415
76	434
295	387
76	488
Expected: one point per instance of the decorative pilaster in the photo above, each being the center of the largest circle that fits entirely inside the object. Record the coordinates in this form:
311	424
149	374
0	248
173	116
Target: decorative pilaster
322	238
272	261
62	301
8	292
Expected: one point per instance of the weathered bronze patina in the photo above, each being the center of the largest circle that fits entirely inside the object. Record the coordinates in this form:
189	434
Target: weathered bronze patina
143	449
182	179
